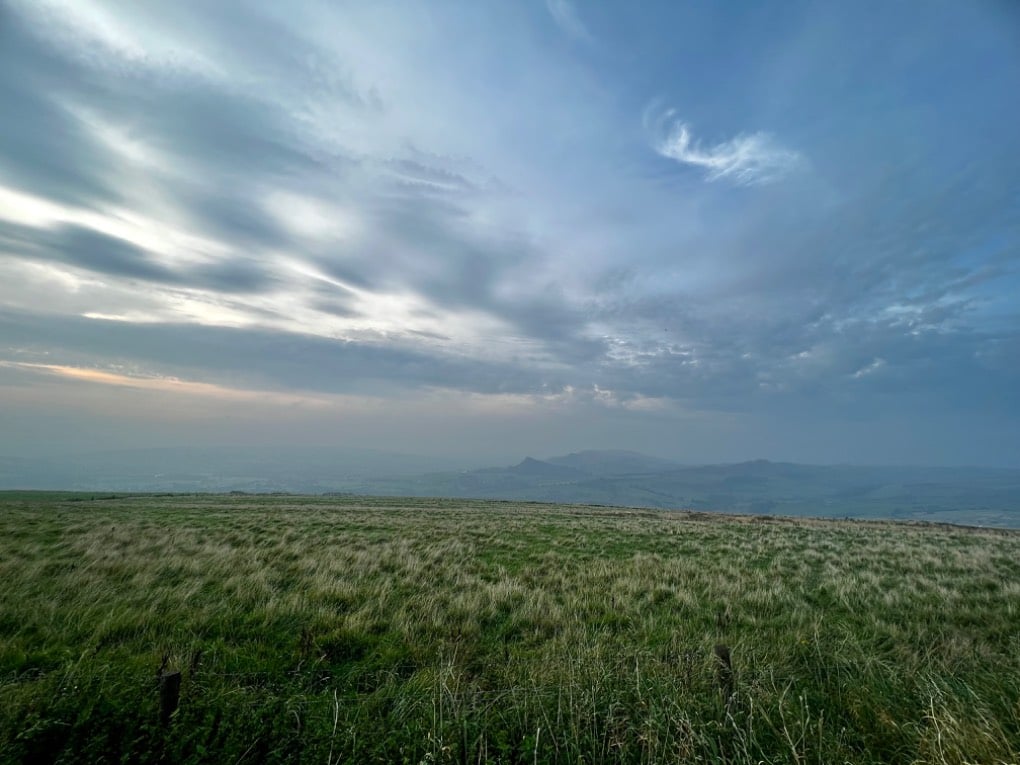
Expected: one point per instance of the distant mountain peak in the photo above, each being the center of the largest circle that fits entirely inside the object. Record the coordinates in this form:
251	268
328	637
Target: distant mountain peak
610	462
608	453
539	468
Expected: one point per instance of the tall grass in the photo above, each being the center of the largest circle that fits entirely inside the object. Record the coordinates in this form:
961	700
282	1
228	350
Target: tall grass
389	630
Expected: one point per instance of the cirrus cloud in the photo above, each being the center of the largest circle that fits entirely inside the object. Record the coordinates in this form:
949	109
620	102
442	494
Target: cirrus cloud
566	17
747	159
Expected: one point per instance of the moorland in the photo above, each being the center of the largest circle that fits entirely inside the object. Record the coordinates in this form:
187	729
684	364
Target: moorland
216	628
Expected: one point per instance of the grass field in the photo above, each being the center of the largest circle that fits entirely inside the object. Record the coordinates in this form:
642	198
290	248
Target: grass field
424	631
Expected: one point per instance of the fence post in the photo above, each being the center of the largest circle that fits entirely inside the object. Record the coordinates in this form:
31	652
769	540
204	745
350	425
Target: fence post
169	695
724	671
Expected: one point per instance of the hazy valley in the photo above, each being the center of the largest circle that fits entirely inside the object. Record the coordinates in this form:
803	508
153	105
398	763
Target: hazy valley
977	496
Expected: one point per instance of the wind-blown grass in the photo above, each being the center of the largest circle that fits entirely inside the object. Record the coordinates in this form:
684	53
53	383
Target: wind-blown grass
390	630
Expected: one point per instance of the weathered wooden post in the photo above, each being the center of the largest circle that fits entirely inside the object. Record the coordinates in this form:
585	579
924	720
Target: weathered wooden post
724	671
169	695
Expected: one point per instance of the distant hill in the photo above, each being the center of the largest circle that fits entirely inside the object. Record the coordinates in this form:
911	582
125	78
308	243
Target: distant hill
613	462
958	495
532	468
614	477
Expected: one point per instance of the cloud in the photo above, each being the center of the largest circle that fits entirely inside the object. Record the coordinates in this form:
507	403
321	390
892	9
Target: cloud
156	383
267	358
92	251
335	198
566	17
746	159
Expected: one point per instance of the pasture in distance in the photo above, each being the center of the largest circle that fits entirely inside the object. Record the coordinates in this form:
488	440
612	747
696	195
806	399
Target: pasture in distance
353	629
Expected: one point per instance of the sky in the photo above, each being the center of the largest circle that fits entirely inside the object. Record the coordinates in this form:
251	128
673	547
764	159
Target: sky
707	231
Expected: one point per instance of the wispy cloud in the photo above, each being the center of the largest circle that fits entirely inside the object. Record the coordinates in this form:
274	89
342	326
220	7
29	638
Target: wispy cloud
748	160
157	383
567	18
328	200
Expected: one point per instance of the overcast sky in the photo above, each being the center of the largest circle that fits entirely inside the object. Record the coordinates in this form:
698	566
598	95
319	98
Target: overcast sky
710	231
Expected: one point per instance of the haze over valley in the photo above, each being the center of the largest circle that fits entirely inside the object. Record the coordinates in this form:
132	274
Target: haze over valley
977	496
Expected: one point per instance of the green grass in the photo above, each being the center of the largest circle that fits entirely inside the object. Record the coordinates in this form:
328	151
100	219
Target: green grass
351	629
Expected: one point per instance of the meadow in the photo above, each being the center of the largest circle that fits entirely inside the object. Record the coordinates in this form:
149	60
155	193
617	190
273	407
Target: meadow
354	629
